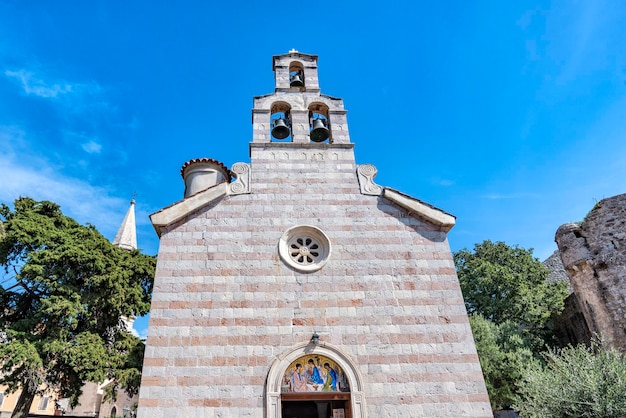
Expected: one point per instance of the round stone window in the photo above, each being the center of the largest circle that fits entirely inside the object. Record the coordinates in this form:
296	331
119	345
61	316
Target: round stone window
304	247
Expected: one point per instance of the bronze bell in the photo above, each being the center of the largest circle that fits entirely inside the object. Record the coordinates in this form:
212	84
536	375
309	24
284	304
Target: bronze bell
295	80
280	129
319	131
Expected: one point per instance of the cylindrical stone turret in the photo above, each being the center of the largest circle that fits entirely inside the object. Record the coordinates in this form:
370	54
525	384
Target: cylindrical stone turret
201	173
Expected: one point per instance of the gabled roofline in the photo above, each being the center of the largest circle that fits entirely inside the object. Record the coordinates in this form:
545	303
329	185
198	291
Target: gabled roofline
434	215
182	208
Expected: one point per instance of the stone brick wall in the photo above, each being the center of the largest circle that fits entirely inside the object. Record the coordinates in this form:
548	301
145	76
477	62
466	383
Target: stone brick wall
594	256
225	307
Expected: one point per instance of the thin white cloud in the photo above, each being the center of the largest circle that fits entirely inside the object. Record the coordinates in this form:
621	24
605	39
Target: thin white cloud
445	182
71	97
25	174
140	326
92	147
519	195
88	143
142	333
33	85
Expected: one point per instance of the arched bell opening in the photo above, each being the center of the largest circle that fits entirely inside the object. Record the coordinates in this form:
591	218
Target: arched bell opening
319	123
280	122
296	75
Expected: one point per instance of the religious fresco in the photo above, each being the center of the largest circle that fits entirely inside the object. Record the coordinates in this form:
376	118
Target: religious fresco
314	373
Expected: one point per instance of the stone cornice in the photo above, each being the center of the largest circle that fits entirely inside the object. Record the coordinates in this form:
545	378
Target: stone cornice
300	145
421	209
182	208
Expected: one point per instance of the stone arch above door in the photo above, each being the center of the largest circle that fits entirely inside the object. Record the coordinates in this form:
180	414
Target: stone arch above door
343	360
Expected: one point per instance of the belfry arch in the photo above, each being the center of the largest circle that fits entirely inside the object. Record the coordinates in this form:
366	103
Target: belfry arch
275	377
280	121
296	74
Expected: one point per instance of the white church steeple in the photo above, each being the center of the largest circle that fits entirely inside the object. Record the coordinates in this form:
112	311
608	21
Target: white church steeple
126	236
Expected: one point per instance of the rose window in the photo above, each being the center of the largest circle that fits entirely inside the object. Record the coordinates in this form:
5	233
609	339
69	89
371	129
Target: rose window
305	248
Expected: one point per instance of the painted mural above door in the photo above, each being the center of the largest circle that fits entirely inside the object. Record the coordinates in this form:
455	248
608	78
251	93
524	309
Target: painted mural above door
314	373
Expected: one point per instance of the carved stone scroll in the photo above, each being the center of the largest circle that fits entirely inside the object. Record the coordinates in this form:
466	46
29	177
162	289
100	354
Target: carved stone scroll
366	174
241	185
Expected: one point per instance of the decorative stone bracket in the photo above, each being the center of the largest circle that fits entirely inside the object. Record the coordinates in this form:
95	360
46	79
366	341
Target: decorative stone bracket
241	185
366	174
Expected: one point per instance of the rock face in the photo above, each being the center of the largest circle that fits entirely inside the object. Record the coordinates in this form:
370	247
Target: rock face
594	257
557	271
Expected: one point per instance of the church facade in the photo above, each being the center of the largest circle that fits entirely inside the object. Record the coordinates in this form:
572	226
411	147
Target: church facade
295	286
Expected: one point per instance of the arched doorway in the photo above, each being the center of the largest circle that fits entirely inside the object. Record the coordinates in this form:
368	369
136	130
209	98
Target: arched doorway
314	381
315	386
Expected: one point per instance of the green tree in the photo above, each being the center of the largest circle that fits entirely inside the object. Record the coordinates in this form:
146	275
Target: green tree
510	302
503	353
575	382
504	283
64	293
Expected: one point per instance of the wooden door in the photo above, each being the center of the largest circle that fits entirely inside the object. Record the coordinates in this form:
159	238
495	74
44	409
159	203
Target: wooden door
315	405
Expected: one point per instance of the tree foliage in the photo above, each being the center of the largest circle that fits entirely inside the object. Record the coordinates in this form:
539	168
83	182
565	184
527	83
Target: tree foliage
64	293
575	382
510	302
504	283
504	353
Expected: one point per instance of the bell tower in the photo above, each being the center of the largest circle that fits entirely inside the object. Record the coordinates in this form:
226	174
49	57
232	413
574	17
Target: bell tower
296	112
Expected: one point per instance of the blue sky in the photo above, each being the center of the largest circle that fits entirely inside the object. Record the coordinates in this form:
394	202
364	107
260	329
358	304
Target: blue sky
509	115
